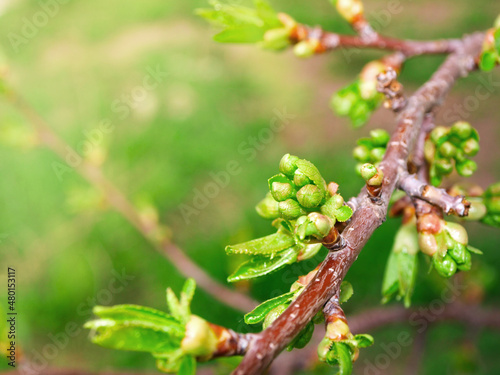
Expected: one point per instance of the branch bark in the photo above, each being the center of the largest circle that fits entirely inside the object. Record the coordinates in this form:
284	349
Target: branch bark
369	215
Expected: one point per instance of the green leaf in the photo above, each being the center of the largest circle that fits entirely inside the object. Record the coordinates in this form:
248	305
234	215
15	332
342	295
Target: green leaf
170	361
188	366
137	335
408	265
174	305
344	358
390	284
259	313
496	35
343	213
133	312
269	245
310	170
365	142
187	295
364	340
260	265
474	250
267	14
346	291
488	60
241	34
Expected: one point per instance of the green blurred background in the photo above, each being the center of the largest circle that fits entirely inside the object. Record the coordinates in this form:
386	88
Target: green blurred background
87	65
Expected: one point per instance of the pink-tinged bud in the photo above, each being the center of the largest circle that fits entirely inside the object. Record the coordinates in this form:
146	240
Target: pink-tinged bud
457	232
427	243
199	340
333	188
287	21
430	223
337	330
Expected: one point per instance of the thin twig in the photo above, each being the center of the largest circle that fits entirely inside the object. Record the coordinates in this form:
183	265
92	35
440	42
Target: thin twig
122	205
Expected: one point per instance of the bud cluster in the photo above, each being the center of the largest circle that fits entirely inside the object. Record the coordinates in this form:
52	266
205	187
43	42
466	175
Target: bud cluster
446	242
371	150
485	205
490	57
358	100
449	147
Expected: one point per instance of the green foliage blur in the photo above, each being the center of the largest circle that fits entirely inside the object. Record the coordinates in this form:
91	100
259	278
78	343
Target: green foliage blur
209	106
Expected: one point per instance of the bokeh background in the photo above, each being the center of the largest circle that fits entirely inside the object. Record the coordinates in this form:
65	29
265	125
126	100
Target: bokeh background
87	65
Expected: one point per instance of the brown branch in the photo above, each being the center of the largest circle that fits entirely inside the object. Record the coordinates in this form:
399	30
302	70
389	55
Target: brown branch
416	188
330	41
117	200
368	216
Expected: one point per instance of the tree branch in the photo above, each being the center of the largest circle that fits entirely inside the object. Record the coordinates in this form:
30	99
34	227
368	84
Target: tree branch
117	200
416	188
368	216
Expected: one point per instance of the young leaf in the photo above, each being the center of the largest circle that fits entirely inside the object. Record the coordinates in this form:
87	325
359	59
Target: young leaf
271	244
310	170
174	305
344	358
133	312
364	340
259	313
170	361
188	366
407	266
343	213
260	265
241	34
267	14
136	335
390	284
488	60
186	297
346	291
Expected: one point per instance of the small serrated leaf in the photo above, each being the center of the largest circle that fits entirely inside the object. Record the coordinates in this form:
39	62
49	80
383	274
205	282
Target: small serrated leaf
174	305
187	295
474	250
344	358
346	291
343	213
364	340
310	170
132	312
259	313
269	245
260	265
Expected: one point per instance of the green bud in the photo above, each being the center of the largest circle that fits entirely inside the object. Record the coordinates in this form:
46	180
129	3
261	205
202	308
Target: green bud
467	264
458	253
288	165
380	137
268	208
304	49
493	205
457	232
322	224
368	171
290	209
331	205
300	179
444	166
199	340
350	9
310	196
361	153
324	348
447	150
438	133
466	168
462	129
477	209
360	113
427	243
493	190
470	147
276	39
273	315
377	154
445	266
342	103
282	191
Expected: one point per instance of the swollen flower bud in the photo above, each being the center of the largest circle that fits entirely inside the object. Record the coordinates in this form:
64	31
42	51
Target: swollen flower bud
461	129
300	179
477	209
368	171
427	243
377	154
268	208
282	191
466	168
288	165
443	166
361	153
467	264
309	196
342	103
470	147
337	330
276	39
290	209
447	150
199	340
445	266
322	223
458	253
493	205
380	137
439	132
457	232
350	10
306	48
